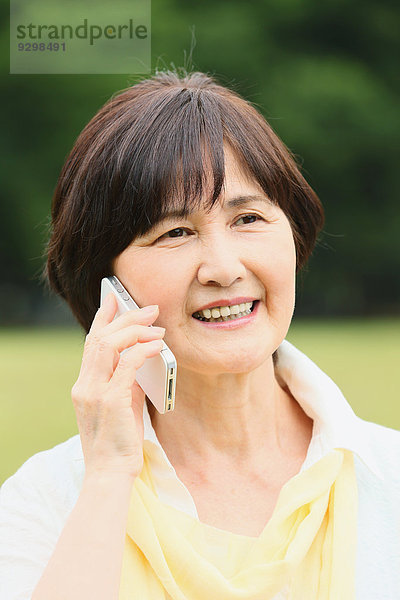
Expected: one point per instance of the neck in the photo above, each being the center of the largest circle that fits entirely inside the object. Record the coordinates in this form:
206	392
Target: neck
235	417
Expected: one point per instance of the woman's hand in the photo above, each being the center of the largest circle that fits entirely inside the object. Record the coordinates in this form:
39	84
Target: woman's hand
107	399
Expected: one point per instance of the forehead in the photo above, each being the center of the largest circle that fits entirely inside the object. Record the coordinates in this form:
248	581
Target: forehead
238	189
237	179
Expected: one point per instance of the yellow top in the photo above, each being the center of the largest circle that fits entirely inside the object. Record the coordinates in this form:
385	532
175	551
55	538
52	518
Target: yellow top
307	547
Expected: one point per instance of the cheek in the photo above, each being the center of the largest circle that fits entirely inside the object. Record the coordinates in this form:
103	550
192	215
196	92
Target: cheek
140	275
279	276
154	279
285	271
280	258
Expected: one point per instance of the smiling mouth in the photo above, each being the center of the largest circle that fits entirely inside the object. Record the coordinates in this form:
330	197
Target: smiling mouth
225	313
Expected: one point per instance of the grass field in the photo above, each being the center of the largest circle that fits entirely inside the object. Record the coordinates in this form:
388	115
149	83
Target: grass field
39	367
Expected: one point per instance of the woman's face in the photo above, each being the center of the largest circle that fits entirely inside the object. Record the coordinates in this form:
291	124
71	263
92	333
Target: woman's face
243	250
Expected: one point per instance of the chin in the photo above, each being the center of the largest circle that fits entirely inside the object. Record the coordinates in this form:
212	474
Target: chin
243	361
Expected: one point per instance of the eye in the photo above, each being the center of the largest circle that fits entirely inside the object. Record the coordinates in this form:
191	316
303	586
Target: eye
172	231
251	216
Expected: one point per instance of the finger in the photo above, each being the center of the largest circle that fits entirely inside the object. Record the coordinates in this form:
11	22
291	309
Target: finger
121	340
130	361
104	322
105	314
138	399
143	316
99	363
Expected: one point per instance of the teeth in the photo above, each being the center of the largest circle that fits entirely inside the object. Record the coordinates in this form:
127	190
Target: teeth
225	313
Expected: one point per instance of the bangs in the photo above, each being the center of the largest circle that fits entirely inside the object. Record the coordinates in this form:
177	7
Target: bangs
176	165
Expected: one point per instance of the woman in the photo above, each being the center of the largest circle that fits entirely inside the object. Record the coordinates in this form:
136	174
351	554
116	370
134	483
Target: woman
262	483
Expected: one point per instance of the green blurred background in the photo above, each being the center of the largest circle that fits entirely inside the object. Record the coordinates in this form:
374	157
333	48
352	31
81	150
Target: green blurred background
325	75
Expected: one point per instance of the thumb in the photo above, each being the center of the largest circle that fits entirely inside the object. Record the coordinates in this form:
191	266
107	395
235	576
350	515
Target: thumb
138	397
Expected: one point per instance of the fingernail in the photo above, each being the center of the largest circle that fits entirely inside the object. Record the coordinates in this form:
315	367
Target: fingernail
150	309
158	329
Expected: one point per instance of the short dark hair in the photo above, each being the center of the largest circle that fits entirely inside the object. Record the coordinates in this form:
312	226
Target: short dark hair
145	150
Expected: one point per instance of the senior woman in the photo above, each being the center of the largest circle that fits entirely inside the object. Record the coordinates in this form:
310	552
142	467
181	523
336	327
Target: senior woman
262	483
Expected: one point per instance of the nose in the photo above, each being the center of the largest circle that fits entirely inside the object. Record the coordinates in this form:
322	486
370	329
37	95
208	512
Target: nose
221	262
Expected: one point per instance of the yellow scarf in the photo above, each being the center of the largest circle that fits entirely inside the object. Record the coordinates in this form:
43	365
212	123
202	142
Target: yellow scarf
308	547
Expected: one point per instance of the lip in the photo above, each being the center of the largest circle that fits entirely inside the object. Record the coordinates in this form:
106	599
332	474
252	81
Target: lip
227	302
235	324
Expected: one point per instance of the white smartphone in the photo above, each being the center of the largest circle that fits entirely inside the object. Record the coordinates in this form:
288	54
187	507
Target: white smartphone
157	375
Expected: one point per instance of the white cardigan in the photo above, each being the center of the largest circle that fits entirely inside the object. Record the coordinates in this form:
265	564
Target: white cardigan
36	501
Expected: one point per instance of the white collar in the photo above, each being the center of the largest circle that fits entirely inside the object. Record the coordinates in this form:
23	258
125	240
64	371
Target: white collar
335	423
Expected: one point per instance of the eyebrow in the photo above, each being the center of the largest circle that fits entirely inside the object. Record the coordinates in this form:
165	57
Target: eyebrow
241	200
235	202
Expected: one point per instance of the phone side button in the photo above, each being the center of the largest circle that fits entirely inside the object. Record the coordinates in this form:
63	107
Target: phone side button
117	285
